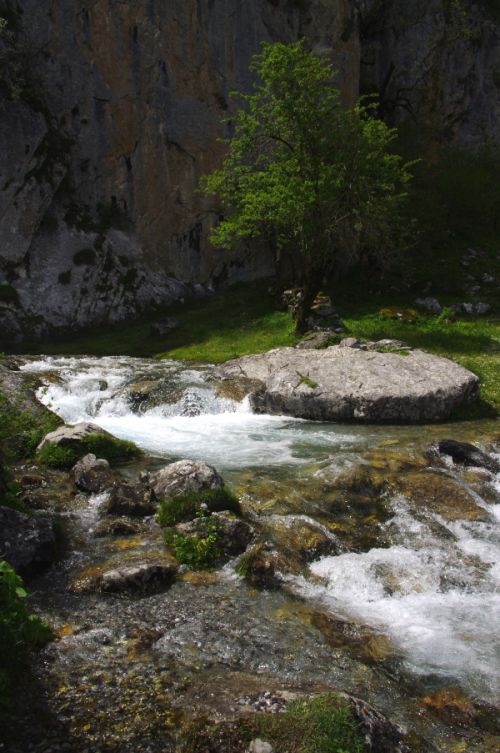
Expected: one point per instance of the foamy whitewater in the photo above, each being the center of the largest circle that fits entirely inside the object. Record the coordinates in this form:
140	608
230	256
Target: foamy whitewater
435	591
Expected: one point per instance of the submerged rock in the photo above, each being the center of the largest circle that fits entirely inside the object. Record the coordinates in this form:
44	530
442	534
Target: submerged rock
464	454
91	474
348	384
26	543
442	495
117	527
185	476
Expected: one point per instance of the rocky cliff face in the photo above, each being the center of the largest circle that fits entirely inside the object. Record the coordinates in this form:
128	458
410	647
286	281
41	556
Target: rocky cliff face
111	110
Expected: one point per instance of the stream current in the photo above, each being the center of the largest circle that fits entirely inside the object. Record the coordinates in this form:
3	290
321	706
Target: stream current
409	605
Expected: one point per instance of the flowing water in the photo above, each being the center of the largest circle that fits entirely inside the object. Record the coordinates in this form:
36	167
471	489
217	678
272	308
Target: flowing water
407	607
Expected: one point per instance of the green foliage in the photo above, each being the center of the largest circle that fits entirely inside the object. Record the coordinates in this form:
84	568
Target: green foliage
111	448
8	294
20	631
200	550
458	195
86	256
182	507
316	179
65	277
22	430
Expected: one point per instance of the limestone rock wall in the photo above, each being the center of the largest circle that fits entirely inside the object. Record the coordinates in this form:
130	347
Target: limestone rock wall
110	111
119	114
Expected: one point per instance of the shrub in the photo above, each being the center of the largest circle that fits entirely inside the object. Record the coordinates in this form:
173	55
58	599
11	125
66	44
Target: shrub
84	256
8	294
111	448
199	550
65	277
185	506
20	631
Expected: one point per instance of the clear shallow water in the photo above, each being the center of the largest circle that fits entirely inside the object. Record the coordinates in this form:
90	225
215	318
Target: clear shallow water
433	587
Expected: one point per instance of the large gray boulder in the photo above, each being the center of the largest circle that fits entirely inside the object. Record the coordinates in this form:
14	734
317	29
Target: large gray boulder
347	384
185	476
26	543
73	436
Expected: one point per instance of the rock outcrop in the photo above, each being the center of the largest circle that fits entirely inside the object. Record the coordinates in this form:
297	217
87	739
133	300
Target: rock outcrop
347	384
26	542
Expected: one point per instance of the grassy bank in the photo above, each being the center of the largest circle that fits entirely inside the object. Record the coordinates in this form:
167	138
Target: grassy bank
244	320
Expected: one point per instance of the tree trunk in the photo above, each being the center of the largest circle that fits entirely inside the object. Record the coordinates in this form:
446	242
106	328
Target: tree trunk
311	288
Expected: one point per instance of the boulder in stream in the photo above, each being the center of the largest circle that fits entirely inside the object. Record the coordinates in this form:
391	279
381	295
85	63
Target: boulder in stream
185	476
133	500
465	454
26	542
91	474
352	385
64	446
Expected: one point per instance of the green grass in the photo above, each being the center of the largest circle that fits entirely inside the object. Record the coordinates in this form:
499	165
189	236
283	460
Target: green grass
183	507
110	448
239	321
323	724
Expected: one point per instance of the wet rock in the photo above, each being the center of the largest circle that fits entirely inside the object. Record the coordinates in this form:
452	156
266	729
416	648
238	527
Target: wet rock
163	326
185	476
430	305
137	574
442	495
116	527
465	454
27	543
299	539
92	475
381	735
133	500
347	384
258	566
234	389
147	576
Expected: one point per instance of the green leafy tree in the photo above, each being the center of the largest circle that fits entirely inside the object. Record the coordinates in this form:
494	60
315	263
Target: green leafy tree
314	180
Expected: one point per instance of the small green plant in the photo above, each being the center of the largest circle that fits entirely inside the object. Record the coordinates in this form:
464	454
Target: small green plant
8	294
110	448
22	430
304	379
20	631
86	256
186	506
65	277
199	550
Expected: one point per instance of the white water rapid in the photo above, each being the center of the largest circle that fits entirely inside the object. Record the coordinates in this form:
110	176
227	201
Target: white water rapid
432	587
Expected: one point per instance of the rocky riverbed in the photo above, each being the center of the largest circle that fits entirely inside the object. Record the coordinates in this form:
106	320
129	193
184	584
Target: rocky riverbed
369	565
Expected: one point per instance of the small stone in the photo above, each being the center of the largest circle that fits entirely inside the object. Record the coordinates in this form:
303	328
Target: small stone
349	342
431	305
185	476
163	326
260	746
91	474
